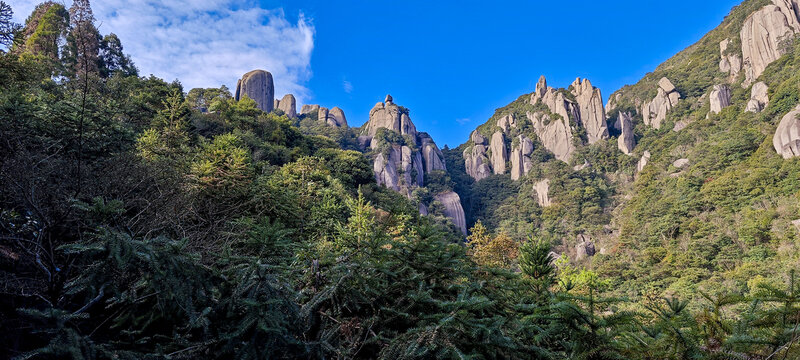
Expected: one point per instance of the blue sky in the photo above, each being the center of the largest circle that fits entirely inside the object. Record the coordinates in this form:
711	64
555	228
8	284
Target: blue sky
452	63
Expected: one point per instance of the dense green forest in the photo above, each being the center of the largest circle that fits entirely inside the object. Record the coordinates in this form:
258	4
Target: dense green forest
136	225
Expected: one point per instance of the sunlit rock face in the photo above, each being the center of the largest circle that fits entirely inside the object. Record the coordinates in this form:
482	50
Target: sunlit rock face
257	85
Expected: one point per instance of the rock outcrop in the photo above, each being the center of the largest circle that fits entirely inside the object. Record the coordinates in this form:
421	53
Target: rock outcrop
787	137
475	160
336	117
762	34
680	163
499	154
308	109
555	101
288	105
759	99
507	122
555	134
453	209
401	165
592	113
729	63
720	98
626	142
257	85
643	161
521	158
585	247
655	111
542	189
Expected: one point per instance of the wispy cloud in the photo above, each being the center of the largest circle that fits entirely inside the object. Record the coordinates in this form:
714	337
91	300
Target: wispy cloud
463	121
207	43
347	86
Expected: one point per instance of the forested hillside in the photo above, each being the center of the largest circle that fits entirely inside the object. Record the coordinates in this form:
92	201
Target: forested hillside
142	220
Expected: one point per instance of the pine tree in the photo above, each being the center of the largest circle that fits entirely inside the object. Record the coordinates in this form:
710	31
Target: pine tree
83	43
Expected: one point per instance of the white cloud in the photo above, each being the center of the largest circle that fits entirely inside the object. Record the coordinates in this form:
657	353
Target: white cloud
462	121
206	43
347	86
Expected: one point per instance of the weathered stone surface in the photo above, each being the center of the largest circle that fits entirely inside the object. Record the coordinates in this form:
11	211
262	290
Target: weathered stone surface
336	117
433	159
542	189
613	102
625	142
453	209
555	101
762	34
507	122
585	247
796	224
643	161
521	158
322	115
592	113
556	135
288	105
680	163
729	63
580	167
787	137
475	160
257	85
759	99
720	98
276	104
307	109
655	111
385	169
499	154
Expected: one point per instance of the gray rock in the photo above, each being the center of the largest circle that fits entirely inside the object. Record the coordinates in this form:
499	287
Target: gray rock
585	247
542	189
762	33
288	105
787	137
257	85
655	111
680	163
308	109
643	161
592	113
499	155
507	122
322	115
759	99
720	98
729	63
580	167
626	142
336	117
433	158
556	135
389	116
521	158
476	162
453	209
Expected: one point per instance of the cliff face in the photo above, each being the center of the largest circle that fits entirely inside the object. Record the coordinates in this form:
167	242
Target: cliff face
402	156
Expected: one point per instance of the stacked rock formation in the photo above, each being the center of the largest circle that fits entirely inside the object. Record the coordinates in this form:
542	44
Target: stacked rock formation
333	117
402	166
257	85
762	34
521	157
720	98
475	160
288	105
655	111
759	99
787	137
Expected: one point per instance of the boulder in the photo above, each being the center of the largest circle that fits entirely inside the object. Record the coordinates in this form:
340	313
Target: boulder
499	154
257	85
585	247
643	161
521	158
433	159
389	116
626	142
720	98
680	163
453	209
542	189
759	99
762	34
322	115
288	105
590	106
507	122
655	111
336	117
787	137
385	169
555	134
308	109
475	161
580	167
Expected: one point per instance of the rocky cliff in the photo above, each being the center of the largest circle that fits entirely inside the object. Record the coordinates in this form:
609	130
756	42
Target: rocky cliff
257	85
763	34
